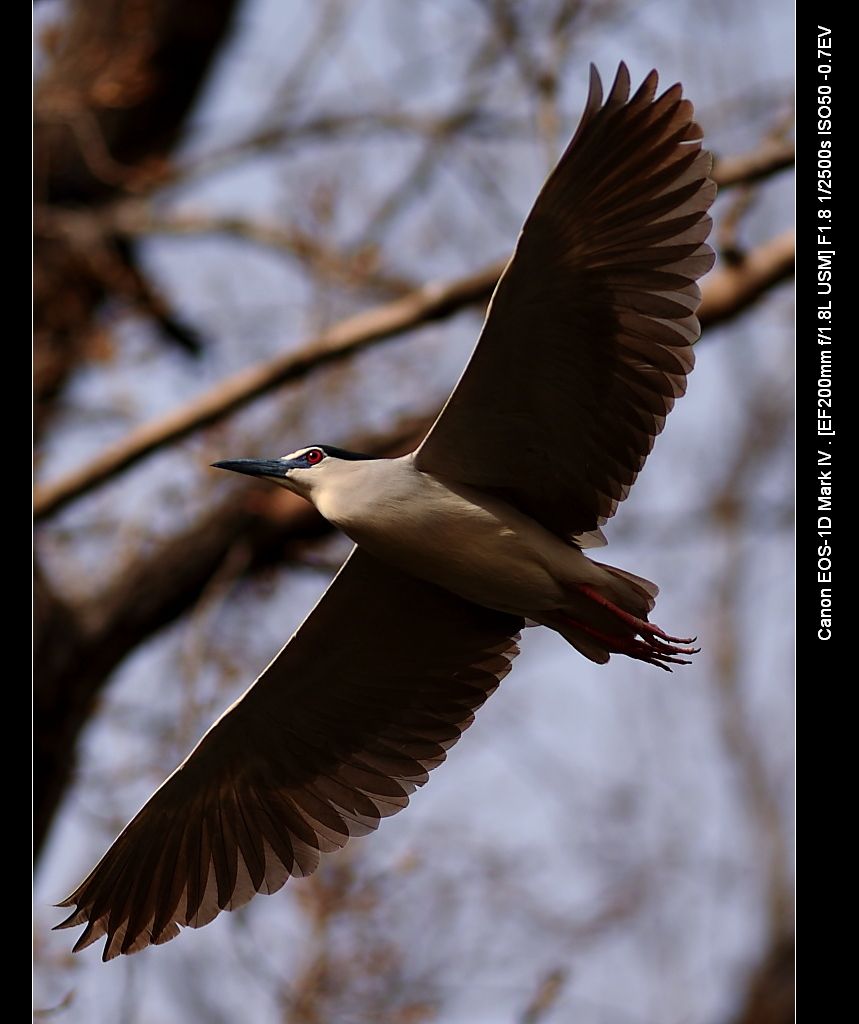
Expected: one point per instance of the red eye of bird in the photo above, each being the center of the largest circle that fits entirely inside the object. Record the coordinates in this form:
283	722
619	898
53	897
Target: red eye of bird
313	456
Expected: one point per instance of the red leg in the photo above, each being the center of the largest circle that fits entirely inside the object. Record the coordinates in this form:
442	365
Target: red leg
640	625
650	650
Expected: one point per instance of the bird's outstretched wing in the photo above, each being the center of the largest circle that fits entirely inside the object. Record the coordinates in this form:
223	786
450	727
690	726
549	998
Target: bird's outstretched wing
588	338
382	677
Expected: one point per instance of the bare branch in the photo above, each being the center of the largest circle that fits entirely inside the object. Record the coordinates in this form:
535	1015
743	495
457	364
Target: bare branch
355	268
113	99
471	117
78	648
431	302
726	294
771	156
774	153
769	996
769	992
91	240
732	289
727	234
334	127
546	996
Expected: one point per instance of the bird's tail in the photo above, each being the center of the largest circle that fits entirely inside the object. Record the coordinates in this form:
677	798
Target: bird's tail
609	616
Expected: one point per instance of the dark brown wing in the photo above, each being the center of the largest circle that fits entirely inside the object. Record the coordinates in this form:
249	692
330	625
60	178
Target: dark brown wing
589	334
382	677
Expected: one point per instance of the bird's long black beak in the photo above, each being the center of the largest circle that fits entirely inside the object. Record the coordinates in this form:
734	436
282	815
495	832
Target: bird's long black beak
275	469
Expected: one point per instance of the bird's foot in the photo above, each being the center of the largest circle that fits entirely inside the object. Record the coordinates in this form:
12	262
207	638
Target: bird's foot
650	648
641	626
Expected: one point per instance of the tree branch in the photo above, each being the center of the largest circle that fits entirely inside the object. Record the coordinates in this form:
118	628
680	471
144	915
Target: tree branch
109	106
431	302
355	267
727	293
769	995
732	289
78	648
96	637
771	156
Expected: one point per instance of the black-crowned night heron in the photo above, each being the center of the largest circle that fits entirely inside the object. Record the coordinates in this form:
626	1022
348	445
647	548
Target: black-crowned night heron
586	346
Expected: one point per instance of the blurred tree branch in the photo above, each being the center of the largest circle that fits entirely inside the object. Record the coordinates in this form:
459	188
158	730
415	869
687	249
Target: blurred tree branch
287	133
325	989
769	996
430	302
325	113
775	152
726	293
67	685
545	997
120	83
77	649
739	285
771	156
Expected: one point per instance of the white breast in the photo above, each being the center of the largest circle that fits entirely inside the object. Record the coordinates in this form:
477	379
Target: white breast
451	535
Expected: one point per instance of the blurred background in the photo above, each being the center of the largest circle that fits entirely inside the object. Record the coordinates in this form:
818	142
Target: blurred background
222	188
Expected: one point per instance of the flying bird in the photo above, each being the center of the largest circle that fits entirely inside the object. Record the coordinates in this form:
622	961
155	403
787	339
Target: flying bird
586	345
